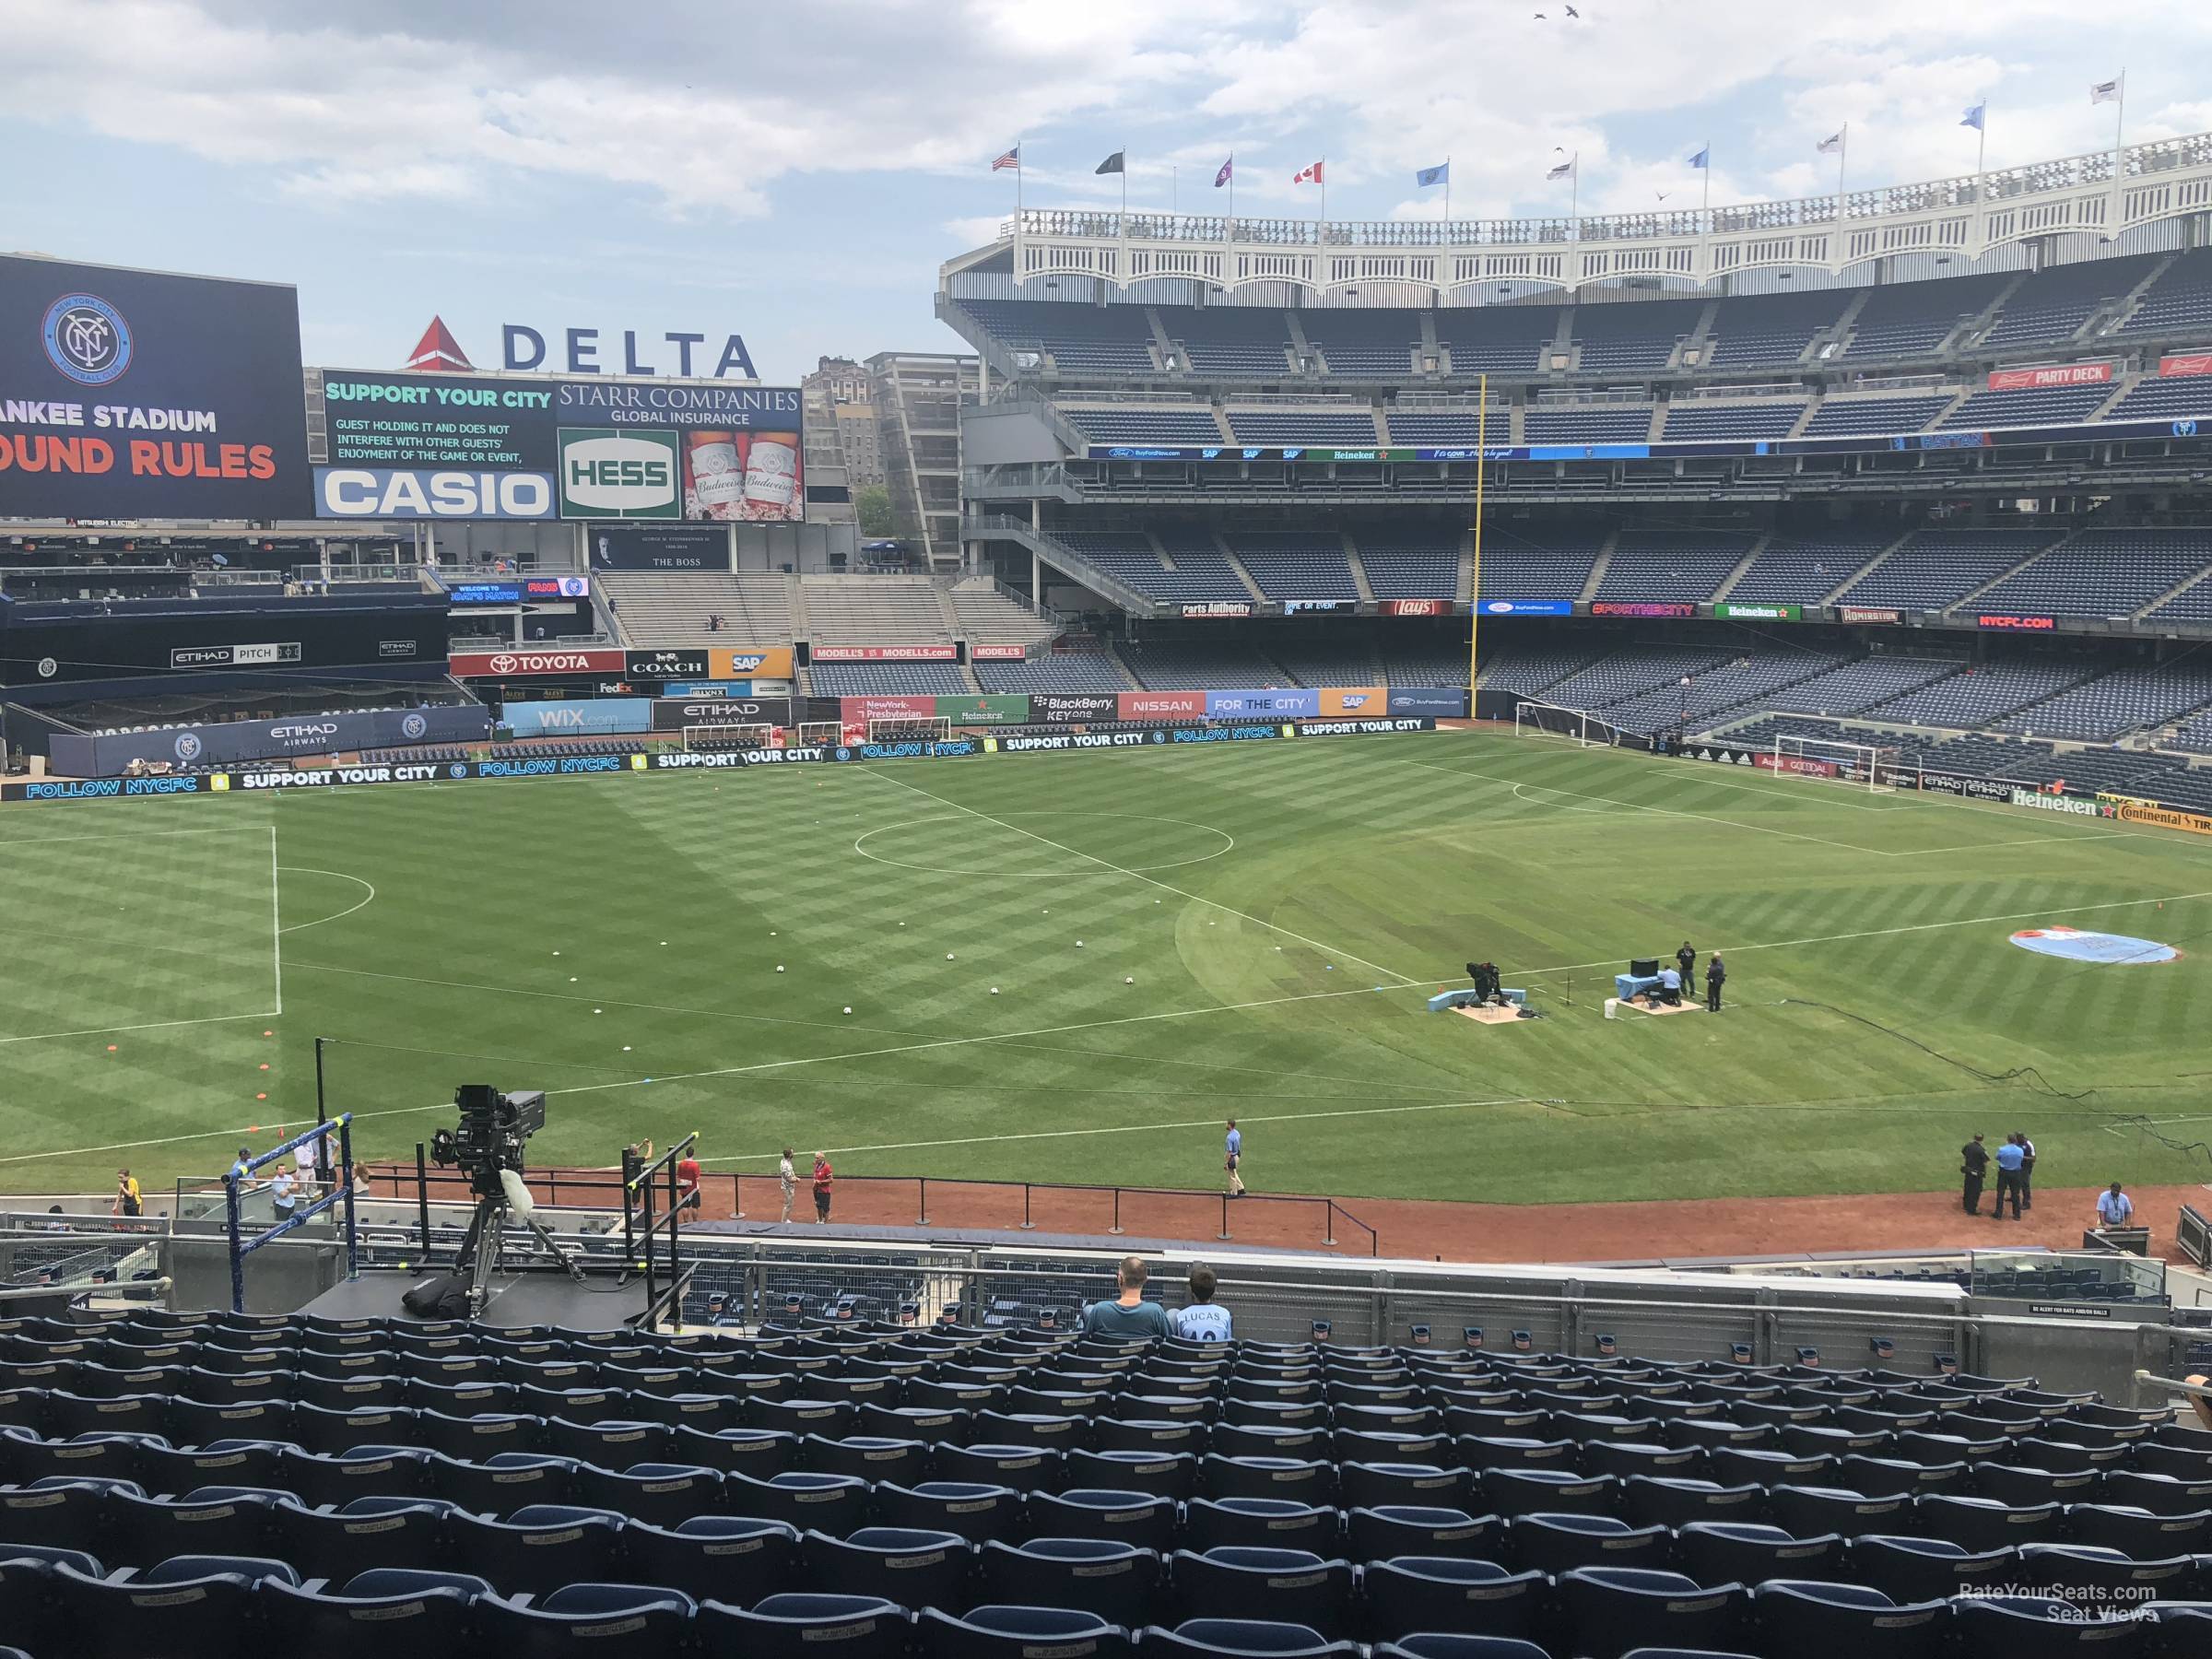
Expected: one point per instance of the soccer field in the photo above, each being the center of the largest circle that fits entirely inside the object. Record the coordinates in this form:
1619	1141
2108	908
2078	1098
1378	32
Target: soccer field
1174	937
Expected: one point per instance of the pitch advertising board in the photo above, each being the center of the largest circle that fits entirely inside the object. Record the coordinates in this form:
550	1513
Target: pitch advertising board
1866	613
674	714
1354	700
1002	709
1507	607
1160	705
1759	613
1620	607
578	717
1428	699
1074	708
136	394
1266	703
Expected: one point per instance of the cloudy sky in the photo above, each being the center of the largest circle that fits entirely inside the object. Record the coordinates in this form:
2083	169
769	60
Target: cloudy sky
794	172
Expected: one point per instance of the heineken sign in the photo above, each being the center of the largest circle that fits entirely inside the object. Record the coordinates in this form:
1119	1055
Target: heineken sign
1759	613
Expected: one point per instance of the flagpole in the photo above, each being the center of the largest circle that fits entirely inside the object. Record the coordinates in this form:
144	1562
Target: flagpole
1232	195
1125	190
1575	205
2119	156
1448	196
1705	201
1175	188
1324	190
1843	156
1017	143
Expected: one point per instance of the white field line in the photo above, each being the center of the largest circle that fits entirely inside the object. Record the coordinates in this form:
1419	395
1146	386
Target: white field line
158	1025
1135	876
16	844
276	924
340	874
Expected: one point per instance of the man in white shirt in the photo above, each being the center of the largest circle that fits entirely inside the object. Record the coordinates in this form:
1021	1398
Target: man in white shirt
283	1196
1203	1320
2114	1208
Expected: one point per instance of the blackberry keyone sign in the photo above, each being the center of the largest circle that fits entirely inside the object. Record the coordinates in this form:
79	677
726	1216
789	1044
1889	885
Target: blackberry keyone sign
133	393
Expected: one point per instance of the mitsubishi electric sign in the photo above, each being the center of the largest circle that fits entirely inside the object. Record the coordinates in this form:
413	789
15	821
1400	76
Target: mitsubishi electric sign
606	474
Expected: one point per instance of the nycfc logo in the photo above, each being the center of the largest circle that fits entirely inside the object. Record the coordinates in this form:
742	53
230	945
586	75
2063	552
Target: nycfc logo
456	771
48	667
188	745
845	754
412	727
87	339
1159	736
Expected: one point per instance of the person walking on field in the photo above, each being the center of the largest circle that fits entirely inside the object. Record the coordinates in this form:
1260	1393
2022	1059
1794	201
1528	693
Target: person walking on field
1716	975
823	1175
1233	1144
2027	1171
790	1177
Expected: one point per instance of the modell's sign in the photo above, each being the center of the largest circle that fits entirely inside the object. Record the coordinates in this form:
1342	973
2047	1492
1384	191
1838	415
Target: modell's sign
885	653
503	664
998	653
2049	375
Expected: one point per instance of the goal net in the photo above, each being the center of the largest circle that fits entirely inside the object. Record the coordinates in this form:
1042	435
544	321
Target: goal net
1576	725
1869	766
911	729
728	738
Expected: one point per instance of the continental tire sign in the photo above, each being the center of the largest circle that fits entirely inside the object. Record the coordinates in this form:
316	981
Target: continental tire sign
2164	818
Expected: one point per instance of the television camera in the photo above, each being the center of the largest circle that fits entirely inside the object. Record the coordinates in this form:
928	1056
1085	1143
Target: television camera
486	1146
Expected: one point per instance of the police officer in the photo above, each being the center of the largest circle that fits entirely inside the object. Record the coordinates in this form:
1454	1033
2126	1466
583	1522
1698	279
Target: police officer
1716	975
1973	1159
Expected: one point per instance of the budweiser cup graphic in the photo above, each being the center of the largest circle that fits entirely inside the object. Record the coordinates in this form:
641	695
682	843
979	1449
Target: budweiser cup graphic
772	476
714	476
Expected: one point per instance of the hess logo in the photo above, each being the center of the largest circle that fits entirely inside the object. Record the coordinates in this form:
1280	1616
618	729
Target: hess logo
618	474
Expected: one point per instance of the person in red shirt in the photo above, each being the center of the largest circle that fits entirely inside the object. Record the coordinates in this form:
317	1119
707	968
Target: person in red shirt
823	1175
687	1178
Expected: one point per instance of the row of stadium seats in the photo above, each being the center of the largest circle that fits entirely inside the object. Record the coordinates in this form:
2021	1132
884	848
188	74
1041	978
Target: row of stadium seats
1903	322
1683	421
1359	1493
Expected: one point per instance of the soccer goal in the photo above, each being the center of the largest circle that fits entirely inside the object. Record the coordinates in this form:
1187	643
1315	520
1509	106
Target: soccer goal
697	737
1576	725
1869	766
822	733
911	729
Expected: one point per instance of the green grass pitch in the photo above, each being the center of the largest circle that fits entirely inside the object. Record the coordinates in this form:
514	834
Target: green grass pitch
1258	927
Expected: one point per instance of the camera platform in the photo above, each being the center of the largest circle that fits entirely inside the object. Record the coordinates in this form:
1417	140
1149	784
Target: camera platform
531	1297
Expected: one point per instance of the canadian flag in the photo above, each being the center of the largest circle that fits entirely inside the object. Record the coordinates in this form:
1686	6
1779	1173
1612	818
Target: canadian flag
1312	175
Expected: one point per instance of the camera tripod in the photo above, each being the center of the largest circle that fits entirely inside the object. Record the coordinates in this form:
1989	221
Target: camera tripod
486	1236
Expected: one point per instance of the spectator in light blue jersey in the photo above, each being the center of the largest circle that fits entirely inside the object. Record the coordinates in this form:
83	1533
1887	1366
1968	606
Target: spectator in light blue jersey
1205	1320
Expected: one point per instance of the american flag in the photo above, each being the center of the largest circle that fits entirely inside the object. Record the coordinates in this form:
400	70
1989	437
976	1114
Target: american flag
1011	158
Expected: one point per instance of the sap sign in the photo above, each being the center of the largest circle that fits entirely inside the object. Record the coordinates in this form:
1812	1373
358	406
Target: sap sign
525	349
566	717
421	493
606	474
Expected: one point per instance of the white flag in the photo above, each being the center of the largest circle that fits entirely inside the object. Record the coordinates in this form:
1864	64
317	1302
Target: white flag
1829	145
1564	170
2105	92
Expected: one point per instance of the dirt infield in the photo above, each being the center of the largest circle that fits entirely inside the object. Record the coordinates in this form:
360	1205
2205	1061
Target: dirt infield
1677	1230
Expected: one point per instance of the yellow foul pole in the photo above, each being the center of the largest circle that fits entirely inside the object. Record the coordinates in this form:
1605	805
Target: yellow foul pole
1482	442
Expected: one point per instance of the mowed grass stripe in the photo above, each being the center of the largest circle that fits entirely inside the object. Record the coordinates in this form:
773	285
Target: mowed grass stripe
1414	866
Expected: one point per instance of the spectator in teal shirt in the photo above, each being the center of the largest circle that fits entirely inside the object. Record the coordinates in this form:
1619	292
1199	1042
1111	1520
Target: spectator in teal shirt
1129	1315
